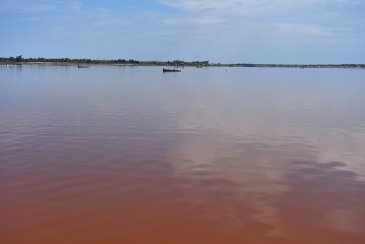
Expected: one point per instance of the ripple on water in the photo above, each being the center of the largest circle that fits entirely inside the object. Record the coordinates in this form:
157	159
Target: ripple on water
125	154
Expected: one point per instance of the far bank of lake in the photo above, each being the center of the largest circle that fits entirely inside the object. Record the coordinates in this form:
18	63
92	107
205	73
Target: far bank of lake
179	63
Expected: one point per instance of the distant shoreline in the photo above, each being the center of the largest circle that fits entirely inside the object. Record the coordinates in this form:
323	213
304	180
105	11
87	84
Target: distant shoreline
177	63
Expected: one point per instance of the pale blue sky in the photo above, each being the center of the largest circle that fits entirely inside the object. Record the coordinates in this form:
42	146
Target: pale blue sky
230	31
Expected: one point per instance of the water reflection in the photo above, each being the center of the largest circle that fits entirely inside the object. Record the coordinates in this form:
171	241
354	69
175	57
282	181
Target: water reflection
113	154
334	195
265	188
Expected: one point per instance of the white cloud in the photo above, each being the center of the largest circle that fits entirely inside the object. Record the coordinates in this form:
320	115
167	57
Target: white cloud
233	28
74	5
196	5
323	18
38	7
202	5
298	29
27	7
194	20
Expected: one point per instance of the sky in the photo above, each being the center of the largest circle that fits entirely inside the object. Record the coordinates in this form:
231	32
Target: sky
226	31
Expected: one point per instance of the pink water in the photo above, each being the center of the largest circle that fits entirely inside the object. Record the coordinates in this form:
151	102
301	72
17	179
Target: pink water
131	155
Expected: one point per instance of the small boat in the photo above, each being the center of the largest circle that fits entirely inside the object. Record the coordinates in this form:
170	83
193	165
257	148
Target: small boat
82	66
171	70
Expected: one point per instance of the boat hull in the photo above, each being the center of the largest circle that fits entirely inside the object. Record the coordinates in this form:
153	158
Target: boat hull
170	70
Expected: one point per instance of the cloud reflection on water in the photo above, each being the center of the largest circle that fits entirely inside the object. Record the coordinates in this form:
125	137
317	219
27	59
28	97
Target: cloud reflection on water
280	187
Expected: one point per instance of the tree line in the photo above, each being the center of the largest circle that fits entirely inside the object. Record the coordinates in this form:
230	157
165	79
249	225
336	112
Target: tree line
20	60
71	61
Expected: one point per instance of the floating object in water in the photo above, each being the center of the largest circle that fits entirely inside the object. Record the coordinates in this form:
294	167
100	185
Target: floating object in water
82	66
171	70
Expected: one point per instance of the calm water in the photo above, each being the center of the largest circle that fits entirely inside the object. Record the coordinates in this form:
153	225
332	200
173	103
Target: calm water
212	155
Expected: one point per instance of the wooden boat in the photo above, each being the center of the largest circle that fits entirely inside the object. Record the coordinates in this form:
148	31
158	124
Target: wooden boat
171	70
82	66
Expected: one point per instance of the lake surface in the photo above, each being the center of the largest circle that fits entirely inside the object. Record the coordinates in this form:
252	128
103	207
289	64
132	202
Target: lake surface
211	155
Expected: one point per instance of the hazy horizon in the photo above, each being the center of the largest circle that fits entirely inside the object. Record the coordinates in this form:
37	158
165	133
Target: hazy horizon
232	31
